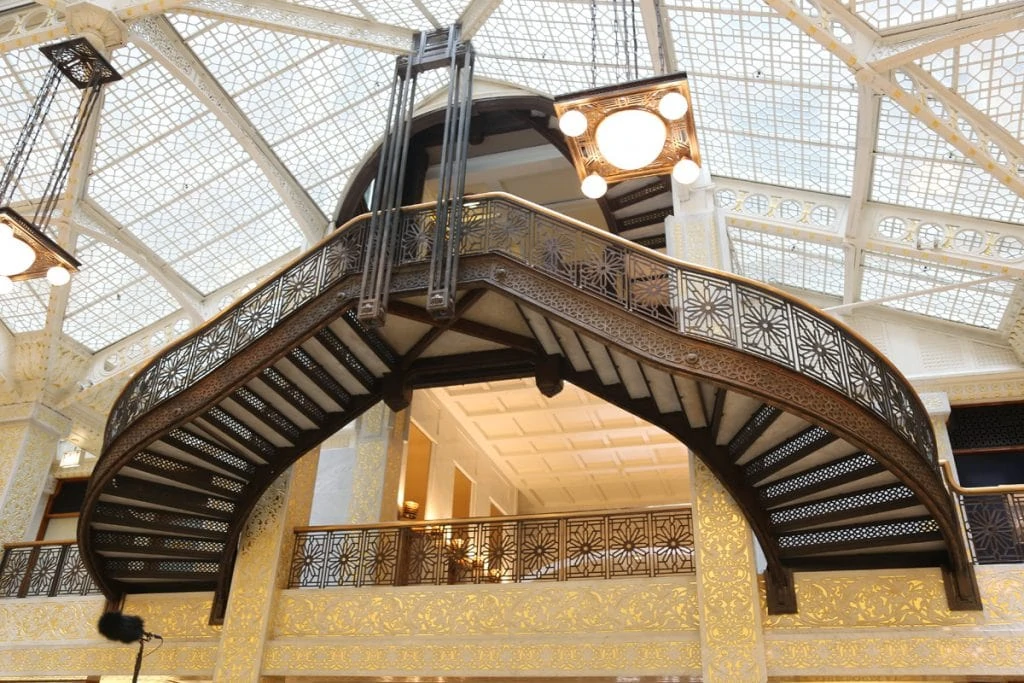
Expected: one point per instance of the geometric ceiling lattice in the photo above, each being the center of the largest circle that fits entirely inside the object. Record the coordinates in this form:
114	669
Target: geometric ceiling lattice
111	297
559	53
320	106
884	15
987	74
771	104
24	308
169	171
983	304
915	167
785	261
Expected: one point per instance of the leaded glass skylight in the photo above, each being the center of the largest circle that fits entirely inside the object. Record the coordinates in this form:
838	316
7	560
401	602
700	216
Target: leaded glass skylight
550	46
786	261
982	304
886	15
24	308
111	297
915	167
168	170
987	74
320	106
771	105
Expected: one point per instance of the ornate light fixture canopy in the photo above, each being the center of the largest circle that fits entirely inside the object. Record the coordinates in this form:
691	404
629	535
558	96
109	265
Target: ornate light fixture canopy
638	129
26	251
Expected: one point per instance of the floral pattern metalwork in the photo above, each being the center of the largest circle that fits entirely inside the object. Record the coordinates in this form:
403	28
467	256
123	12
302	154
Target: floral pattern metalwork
512	550
686	298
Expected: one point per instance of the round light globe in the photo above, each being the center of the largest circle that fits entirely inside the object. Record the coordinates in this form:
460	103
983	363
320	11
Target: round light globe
673	106
58	275
631	138
6	284
15	256
573	123
686	172
6	232
594	186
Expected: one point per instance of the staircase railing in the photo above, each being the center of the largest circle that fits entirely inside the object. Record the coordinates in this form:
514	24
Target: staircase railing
993	519
648	542
44	569
722	309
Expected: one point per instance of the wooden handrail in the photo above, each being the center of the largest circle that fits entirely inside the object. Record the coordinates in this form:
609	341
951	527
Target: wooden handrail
1001	489
35	544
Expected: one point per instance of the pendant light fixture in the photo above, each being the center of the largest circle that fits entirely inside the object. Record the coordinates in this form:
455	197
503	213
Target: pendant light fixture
26	252
637	129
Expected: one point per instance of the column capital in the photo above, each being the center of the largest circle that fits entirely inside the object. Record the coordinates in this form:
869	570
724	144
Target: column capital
937	405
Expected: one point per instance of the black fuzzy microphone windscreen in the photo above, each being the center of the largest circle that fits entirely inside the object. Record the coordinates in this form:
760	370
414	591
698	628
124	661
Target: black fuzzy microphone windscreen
117	626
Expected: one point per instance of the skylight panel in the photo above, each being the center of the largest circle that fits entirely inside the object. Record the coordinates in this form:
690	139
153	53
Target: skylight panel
986	74
24	308
778	260
913	166
407	15
550	47
982	305
111	297
885	15
167	169
771	105
320	106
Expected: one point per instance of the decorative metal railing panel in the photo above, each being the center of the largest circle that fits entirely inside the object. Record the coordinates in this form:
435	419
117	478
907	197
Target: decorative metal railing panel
496	550
36	569
995	526
698	302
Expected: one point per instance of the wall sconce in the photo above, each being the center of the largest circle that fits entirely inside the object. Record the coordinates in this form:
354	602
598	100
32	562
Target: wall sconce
410	509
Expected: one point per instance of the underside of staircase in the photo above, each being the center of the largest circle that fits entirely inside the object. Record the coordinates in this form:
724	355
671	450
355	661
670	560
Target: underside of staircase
822	443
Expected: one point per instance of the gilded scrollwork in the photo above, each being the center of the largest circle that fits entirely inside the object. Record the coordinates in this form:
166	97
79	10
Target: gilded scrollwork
626	606
614	656
731	638
906	597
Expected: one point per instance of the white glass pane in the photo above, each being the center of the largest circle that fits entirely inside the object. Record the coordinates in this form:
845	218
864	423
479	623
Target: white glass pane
551	46
771	105
982	305
786	261
24	308
111	297
168	170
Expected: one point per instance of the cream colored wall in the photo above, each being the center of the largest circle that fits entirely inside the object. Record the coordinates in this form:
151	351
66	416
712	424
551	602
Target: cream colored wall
452	447
891	623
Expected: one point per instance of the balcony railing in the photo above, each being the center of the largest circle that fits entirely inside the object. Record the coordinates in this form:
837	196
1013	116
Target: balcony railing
993	518
44	569
654	542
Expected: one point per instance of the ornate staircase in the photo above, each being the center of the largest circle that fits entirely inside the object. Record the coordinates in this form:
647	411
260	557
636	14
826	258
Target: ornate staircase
822	443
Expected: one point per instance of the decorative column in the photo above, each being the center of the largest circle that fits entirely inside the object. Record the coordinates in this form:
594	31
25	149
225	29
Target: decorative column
261	571
29	433
692	231
937	405
728	601
378	466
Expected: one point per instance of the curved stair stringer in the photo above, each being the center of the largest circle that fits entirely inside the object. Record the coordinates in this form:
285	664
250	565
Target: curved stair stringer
781	387
176	389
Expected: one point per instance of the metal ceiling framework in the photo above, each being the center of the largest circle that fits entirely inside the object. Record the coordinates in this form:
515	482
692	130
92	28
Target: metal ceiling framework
881	60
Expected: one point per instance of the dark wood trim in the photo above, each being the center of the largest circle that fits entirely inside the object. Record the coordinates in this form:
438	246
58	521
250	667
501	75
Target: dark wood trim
470	328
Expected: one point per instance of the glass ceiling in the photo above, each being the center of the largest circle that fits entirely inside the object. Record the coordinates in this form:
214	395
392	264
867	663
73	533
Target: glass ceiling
773	108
